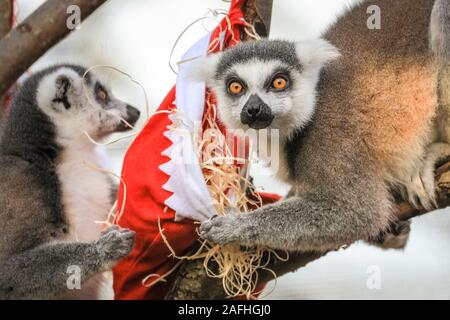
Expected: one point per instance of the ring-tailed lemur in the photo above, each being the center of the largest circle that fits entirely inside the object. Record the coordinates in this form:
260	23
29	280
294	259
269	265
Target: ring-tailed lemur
352	128
49	198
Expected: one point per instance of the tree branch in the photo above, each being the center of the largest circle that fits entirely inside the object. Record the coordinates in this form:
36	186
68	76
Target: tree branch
5	21
5	15
192	282
38	33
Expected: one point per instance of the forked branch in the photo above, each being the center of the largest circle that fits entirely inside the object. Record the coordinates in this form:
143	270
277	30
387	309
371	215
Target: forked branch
45	27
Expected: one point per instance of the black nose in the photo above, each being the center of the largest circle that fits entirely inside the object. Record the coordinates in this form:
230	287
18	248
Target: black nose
256	113
131	118
133	114
254	110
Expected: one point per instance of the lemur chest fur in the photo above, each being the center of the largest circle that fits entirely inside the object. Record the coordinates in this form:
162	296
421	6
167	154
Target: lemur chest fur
86	192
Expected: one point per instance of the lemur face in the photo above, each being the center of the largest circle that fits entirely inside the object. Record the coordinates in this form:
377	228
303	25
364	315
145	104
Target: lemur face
266	84
76	109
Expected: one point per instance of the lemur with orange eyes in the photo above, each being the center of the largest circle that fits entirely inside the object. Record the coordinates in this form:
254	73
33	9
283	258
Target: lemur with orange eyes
362	113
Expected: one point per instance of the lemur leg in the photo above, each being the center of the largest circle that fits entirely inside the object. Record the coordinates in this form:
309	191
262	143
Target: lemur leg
421	190
43	272
298	224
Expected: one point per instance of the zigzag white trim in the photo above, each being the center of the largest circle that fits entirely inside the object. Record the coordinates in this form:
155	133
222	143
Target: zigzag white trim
190	198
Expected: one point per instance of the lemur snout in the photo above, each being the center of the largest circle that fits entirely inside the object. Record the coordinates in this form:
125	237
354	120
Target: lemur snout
254	110
133	114
256	113
132	117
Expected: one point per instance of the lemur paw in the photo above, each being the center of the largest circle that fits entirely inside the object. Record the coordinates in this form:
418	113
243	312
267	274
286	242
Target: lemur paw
394	237
421	190
223	229
115	244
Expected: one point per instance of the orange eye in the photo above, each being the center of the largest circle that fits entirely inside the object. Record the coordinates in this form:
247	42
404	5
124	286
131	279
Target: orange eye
279	83
235	87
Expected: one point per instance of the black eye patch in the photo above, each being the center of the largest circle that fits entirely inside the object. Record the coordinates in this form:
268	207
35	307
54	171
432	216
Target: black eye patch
282	73
234	79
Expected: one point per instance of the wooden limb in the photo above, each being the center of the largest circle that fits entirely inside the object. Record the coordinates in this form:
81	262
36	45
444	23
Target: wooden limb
5	19
38	33
5	15
192	282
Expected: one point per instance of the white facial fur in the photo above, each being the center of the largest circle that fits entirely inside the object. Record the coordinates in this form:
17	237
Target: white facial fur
85	114
292	108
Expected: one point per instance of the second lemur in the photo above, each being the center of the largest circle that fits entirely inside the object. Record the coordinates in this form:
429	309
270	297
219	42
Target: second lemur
50	196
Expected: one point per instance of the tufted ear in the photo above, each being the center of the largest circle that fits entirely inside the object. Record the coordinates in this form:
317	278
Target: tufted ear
63	84
316	52
57	89
202	69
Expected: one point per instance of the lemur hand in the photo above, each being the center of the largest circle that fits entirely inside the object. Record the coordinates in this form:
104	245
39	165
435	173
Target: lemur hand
114	244
232	227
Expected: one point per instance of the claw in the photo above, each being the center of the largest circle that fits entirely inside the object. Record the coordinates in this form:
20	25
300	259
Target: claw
205	226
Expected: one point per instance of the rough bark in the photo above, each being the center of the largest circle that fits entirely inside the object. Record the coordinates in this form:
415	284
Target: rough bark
5	15
192	282
20	48
5	20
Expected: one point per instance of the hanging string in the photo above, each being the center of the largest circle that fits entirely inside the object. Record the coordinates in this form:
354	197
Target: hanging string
129	76
213	44
205	17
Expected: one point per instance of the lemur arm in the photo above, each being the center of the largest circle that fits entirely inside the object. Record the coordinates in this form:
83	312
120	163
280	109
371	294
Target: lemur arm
300	224
45	271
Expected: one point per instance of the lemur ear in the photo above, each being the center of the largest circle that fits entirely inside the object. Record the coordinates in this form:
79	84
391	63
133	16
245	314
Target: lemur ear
316	52
63	83
202	69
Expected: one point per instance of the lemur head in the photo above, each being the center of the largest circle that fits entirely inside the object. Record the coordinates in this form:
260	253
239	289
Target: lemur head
77	106
267	83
